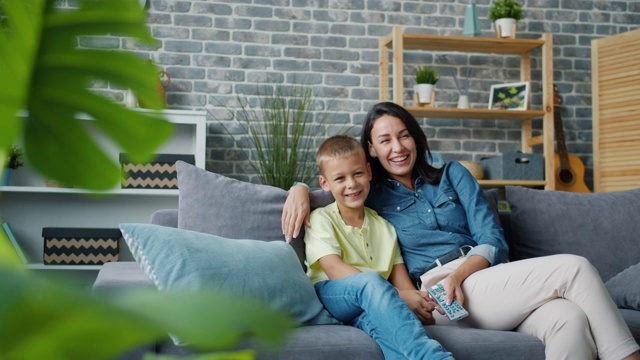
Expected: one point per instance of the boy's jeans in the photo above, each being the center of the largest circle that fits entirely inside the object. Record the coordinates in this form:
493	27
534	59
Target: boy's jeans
370	303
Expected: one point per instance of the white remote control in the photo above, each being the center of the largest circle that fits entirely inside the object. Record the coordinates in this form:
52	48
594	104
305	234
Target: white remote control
455	311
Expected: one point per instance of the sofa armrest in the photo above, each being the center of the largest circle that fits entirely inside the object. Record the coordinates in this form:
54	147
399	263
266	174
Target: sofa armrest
119	276
165	217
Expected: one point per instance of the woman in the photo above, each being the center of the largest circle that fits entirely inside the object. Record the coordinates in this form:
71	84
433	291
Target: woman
438	212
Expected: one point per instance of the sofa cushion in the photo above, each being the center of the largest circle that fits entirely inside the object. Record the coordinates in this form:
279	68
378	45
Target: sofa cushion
603	227
176	259
308	343
625	288
218	205
632	318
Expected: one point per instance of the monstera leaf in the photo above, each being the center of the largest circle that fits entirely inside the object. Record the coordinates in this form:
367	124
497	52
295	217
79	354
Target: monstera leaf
46	73
43	320
43	72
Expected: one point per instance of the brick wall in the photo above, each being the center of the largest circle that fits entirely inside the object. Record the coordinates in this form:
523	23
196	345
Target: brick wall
214	50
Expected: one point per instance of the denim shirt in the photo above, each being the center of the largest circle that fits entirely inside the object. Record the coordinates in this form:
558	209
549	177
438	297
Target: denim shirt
436	219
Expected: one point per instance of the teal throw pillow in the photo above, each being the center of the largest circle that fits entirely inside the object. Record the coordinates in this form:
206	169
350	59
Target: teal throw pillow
176	259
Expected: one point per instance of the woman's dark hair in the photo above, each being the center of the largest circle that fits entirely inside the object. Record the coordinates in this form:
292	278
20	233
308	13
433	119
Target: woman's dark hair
421	168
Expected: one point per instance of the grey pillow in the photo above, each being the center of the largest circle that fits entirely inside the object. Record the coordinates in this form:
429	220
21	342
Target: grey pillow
218	205
602	227
625	288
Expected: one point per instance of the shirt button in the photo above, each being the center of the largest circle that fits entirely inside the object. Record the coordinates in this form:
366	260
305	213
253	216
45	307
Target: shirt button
450	198
398	208
367	244
429	210
419	190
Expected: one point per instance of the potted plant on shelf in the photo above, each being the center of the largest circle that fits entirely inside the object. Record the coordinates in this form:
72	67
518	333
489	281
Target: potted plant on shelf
14	161
426	79
505	14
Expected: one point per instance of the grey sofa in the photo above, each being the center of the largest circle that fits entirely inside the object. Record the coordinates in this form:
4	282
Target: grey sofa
535	226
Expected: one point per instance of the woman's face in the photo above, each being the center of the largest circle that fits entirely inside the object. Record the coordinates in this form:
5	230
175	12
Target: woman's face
394	146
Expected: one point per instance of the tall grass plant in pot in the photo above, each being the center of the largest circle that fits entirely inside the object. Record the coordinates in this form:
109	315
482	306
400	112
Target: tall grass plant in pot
426	79
505	14
281	128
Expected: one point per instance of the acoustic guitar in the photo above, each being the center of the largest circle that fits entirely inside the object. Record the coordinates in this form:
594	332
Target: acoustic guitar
569	169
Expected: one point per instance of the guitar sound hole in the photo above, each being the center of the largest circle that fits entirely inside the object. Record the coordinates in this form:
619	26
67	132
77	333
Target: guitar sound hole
565	176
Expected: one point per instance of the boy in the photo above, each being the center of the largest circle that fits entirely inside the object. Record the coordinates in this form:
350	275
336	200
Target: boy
354	260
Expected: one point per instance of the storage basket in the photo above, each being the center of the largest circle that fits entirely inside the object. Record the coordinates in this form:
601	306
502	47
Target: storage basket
80	246
514	166
157	174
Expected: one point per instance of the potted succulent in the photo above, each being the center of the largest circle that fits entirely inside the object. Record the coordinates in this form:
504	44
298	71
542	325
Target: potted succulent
426	78
505	13
14	161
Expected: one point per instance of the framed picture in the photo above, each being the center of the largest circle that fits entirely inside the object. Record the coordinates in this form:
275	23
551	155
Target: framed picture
513	96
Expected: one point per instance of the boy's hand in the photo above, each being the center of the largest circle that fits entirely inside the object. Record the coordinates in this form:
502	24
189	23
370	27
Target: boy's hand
421	305
295	212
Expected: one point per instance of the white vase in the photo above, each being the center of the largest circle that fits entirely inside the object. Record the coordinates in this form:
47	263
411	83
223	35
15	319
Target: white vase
424	92
463	102
506	27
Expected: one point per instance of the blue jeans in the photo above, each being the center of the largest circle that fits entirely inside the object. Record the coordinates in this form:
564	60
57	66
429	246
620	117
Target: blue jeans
371	303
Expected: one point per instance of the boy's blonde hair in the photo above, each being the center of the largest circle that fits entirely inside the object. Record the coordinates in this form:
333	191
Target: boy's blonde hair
337	146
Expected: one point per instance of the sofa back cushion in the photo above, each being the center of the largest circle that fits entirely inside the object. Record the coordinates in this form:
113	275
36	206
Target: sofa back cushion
218	205
602	227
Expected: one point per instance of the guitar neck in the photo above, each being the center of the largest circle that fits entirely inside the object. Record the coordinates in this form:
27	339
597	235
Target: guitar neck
560	141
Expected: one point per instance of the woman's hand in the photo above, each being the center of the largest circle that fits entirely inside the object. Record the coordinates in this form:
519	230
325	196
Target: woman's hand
295	212
453	282
453	288
421	305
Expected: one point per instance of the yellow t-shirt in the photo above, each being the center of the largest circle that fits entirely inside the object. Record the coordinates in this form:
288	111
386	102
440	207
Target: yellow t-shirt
374	247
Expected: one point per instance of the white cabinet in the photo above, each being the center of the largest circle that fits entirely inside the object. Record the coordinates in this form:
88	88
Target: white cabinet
28	205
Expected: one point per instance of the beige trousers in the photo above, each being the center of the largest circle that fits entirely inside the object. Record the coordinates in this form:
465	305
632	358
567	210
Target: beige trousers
560	299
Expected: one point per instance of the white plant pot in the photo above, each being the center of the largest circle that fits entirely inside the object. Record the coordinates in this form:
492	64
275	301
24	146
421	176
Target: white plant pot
424	92
506	26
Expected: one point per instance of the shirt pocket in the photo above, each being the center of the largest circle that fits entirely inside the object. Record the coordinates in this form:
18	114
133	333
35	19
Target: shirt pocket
449	212
403	214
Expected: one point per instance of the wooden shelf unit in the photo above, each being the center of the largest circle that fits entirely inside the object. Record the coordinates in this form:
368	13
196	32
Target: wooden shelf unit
398	42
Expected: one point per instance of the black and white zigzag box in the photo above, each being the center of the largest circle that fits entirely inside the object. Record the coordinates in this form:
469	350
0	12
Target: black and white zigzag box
80	246
157	174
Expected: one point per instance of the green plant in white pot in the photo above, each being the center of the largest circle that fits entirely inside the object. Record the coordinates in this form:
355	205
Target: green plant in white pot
426	79
505	14
15	160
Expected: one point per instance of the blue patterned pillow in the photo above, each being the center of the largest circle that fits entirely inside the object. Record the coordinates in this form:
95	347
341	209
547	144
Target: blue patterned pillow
270	272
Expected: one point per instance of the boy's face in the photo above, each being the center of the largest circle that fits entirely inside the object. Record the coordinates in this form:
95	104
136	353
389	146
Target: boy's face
348	179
